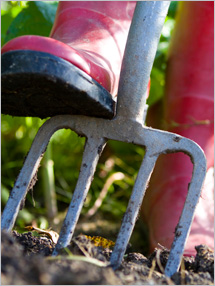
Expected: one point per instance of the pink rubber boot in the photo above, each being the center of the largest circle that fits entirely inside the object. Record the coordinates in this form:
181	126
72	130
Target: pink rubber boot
90	36
189	111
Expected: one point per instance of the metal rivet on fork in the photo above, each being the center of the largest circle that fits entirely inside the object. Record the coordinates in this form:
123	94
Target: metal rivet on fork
127	126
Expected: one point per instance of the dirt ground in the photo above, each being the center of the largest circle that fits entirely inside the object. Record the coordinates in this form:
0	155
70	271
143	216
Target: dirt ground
26	260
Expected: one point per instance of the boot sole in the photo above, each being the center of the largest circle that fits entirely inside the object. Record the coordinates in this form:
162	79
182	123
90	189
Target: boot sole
39	84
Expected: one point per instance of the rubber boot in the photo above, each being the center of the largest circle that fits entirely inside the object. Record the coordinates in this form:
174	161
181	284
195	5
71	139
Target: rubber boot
75	70
188	111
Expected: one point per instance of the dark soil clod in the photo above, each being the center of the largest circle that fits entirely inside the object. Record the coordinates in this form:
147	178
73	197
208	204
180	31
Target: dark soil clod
26	261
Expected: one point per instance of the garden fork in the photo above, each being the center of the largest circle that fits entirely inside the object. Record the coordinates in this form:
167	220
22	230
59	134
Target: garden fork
127	126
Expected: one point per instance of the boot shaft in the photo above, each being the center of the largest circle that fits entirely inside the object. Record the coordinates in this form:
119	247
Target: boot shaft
98	30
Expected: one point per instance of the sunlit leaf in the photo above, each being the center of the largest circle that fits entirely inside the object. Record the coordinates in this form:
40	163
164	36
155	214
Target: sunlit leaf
50	233
101	241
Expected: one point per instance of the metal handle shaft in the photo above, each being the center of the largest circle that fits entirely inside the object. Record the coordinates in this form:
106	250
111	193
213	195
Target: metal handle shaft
141	47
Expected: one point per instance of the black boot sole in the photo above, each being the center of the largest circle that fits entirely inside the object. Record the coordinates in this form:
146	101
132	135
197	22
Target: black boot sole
42	85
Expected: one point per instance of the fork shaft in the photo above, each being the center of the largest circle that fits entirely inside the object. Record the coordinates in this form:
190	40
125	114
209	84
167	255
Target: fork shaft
141	47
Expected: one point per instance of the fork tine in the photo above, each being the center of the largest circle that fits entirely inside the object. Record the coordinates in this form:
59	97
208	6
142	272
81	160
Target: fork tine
26	175
133	208
92	151
183	228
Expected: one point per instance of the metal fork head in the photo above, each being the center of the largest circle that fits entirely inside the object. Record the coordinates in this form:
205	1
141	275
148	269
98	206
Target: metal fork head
126	127
98	131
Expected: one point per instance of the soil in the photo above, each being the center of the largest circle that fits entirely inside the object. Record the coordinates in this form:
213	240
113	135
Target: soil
27	260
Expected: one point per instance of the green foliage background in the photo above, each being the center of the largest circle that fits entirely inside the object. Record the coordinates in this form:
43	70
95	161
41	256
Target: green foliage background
31	17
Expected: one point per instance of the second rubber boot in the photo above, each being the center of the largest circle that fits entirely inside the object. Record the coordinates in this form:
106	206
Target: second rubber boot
75	70
189	111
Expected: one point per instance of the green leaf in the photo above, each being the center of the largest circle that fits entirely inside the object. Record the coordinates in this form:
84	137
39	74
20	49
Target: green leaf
157	86
8	13
36	19
4	194
173	9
